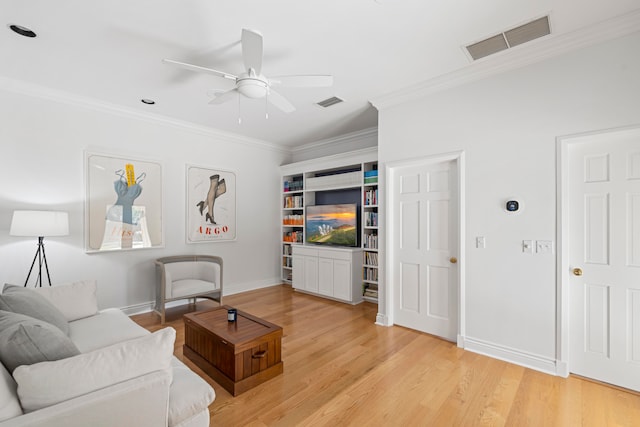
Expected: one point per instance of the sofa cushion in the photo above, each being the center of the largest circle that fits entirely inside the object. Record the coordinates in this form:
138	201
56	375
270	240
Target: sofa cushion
47	383
9	404
25	340
75	300
189	394
30	303
108	327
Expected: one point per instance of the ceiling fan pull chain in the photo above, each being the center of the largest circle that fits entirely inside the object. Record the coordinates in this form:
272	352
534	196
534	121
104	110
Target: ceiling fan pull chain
266	105
239	114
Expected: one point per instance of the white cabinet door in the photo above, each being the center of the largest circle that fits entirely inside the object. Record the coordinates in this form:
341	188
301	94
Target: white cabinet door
342	279
325	276
310	273
297	279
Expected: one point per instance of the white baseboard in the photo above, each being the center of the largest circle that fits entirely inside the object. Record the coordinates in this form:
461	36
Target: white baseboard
562	369
146	307
528	360
382	320
237	288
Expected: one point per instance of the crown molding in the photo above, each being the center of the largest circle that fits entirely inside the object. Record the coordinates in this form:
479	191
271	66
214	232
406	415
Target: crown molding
517	57
37	91
346	138
334	160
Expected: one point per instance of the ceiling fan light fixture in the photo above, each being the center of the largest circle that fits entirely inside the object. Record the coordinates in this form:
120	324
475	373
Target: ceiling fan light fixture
252	88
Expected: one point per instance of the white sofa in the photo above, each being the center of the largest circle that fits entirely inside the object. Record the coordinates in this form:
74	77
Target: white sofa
123	376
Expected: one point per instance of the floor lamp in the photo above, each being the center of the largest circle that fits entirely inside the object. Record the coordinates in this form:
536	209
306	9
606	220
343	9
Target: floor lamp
39	224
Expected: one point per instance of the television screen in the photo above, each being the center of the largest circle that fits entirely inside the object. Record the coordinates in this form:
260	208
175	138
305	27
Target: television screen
335	225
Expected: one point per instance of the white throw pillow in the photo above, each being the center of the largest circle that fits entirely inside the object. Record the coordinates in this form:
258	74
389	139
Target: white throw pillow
75	300
47	383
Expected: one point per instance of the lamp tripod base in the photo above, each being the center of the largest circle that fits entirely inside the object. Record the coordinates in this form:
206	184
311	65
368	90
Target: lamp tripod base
42	259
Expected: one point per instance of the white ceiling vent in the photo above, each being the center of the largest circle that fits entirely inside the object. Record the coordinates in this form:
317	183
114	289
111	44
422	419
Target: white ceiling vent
330	101
510	38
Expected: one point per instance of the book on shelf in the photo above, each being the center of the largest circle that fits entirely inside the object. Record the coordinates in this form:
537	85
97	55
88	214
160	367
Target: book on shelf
371	219
293	220
370	258
293	202
292	237
293	185
370	274
371	293
371	197
371	173
370	241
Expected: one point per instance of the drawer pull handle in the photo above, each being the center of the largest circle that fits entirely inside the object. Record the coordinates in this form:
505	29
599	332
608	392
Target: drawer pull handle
259	355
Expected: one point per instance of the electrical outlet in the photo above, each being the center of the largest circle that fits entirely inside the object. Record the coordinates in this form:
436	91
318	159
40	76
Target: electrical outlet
527	246
544	247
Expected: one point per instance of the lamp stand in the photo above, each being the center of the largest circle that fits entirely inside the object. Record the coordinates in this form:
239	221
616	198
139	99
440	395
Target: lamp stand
42	258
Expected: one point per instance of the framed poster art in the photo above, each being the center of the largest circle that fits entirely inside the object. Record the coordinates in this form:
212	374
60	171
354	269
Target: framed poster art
123	203
211	205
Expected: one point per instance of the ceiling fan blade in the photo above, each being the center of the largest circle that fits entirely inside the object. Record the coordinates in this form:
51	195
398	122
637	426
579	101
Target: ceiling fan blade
252	50
303	81
201	69
223	97
280	101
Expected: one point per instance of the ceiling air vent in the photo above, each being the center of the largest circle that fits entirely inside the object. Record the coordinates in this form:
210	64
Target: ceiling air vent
330	101
510	38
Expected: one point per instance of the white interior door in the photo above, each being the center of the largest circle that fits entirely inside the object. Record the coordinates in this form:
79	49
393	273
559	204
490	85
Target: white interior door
604	258
425	246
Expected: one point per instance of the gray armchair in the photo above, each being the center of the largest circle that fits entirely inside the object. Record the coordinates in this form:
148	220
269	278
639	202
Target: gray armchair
186	277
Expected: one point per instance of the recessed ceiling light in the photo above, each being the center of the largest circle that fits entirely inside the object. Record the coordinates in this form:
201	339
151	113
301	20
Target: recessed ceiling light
23	31
148	101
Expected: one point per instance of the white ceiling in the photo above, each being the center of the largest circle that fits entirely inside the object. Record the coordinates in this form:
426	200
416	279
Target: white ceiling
112	51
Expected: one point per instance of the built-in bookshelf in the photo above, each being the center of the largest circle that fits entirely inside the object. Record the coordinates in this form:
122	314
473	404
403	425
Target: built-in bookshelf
326	181
370	222
292	221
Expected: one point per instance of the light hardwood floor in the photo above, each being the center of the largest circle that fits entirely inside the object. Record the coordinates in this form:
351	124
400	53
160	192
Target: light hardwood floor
341	369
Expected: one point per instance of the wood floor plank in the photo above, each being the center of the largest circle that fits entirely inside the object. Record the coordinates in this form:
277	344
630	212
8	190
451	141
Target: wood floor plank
341	369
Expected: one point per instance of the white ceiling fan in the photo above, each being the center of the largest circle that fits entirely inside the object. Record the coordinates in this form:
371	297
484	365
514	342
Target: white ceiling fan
252	83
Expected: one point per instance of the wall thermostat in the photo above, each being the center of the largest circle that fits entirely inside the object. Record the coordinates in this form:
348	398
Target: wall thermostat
513	206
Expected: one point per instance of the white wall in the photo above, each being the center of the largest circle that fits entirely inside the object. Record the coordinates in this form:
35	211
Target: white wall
507	125
41	166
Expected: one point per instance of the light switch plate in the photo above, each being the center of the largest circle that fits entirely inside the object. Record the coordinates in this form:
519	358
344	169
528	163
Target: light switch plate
527	246
544	247
480	242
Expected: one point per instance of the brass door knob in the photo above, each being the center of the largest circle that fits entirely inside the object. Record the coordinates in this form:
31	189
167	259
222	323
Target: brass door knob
577	271
453	260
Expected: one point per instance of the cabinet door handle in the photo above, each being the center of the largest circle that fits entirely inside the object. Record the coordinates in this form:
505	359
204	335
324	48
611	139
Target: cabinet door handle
259	355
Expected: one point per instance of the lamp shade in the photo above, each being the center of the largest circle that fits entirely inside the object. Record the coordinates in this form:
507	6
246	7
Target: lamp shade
39	223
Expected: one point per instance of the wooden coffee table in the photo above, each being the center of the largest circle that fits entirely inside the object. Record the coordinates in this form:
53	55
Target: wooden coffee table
237	355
